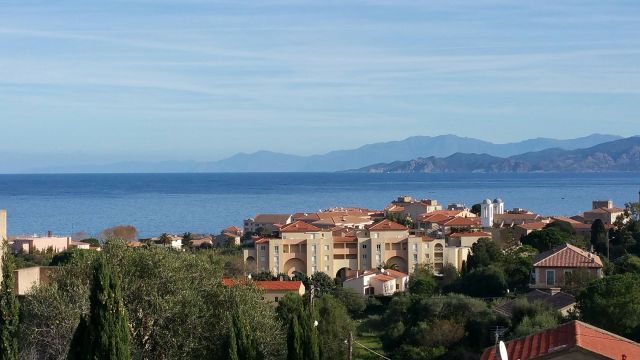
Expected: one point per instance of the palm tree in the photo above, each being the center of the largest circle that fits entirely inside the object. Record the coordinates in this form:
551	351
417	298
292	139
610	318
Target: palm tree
165	239
389	265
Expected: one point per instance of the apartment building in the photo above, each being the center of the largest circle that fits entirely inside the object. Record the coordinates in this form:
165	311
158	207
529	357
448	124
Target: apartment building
307	248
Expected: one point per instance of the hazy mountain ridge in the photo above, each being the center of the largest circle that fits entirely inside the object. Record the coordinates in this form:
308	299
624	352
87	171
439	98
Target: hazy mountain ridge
618	155
383	152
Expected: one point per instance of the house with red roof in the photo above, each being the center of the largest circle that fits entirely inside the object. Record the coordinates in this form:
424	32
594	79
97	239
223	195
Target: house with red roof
273	290
553	268
575	340
467	238
385	282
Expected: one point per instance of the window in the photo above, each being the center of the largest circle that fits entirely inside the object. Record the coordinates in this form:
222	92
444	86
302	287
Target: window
263	258
326	258
364	246
374	235
313	269
551	277
276	259
415	247
313	236
263	248
313	249
276	249
567	276
313	259
378	247
415	257
326	269
378	258
369	291
276	298
364	256
326	248
397	287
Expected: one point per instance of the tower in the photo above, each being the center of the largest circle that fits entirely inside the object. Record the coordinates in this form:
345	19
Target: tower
486	213
498	206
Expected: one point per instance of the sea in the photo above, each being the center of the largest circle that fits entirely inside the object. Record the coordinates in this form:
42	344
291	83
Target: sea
207	203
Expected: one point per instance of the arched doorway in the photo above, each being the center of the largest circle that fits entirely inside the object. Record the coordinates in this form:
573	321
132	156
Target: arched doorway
250	264
293	265
342	273
399	263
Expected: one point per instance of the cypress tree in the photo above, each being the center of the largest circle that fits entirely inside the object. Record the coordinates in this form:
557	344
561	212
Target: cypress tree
310	336
245	344
9	309
105	334
295	348
232	343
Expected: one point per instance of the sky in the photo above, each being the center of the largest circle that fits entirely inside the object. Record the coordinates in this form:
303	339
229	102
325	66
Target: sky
104	81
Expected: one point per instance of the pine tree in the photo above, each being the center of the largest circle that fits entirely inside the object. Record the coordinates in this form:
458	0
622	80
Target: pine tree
105	334
9	309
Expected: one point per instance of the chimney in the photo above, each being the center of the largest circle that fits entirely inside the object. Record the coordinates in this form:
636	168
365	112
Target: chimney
554	290
49	233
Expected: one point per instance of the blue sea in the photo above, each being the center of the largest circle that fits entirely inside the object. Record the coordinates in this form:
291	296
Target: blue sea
206	203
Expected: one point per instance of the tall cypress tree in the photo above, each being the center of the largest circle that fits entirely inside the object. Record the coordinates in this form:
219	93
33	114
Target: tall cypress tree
310	336
105	335
295	344
9	309
232	343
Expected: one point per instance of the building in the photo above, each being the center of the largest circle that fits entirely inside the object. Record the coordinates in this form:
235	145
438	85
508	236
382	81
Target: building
489	209
307	248
29	244
557	300
571	341
28	278
266	223
231	235
466	239
273	290
384	282
554	267
407	206
603	210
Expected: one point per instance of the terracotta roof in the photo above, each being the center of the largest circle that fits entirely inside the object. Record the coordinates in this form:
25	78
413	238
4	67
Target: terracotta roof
262	241
385	225
605	210
567	255
461	221
394	208
279	285
382	277
564	338
271	218
434	218
265	285
538	225
232	229
427	238
565	219
393	274
470	234
299	226
345	239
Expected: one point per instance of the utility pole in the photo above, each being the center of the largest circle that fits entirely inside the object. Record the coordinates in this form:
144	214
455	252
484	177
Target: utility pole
350	344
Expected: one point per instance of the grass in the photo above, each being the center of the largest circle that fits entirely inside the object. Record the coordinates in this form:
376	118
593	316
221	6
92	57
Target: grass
369	338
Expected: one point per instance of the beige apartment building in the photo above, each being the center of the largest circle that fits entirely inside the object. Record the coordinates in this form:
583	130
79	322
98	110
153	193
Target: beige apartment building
307	248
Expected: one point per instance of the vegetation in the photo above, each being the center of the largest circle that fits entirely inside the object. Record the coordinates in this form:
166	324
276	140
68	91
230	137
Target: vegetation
120	232
104	333
9	309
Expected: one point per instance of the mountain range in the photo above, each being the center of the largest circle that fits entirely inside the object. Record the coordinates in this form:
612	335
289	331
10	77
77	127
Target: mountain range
617	155
384	152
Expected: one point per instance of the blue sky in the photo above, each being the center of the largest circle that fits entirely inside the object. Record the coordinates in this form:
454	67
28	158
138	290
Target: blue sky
101	81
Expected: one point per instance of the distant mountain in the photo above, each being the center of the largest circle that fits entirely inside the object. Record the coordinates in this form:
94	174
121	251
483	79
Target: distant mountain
384	152
618	155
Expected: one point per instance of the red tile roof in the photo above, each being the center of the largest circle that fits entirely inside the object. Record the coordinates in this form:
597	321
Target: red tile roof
460	221
382	277
262	241
433	218
232	229
470	234
442	212
386	225
265	285
563	339
279	285
538	225
299	226
567	255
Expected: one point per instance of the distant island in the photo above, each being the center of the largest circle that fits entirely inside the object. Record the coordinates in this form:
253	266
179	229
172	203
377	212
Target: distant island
618	155
440	146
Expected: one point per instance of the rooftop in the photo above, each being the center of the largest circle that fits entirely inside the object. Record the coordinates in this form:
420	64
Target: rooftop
387	225
567	255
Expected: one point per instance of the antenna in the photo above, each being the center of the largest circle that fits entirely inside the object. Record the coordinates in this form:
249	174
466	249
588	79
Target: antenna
503	351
